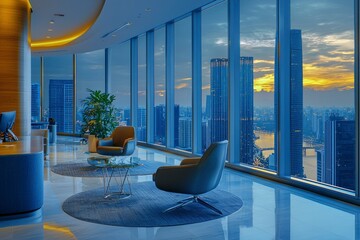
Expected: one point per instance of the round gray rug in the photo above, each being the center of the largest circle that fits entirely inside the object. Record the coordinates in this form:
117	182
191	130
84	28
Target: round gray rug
86	170
144	208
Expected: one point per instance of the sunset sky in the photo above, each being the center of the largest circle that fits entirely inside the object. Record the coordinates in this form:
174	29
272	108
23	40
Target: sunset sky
328	54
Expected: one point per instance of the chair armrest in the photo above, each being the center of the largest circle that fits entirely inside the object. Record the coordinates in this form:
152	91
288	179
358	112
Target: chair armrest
129	146
176	178
106	142
187	161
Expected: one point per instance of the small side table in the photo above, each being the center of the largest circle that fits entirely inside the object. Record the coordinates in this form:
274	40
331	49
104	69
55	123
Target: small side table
117	168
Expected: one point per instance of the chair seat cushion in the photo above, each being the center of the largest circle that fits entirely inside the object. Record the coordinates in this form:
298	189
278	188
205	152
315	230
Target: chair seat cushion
110	150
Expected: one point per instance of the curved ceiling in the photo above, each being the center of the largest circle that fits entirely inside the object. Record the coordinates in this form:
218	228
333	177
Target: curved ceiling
68	26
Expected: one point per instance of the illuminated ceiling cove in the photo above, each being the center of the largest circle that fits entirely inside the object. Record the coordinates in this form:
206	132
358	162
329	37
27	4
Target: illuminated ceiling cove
68	26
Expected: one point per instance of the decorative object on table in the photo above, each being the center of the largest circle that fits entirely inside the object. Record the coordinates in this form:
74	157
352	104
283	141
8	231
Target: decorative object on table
144	207
120	143
99	114
194	176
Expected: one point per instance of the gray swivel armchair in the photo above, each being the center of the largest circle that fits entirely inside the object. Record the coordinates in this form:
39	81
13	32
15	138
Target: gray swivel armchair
120	143
194	176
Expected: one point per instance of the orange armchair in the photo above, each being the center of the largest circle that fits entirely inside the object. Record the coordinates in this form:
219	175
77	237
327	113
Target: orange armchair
120	143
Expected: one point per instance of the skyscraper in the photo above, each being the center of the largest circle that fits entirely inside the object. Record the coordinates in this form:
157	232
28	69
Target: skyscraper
185	125
35	102
296	103
218	101
218	121
61	104
246	110
339	153
126	117
176	124
141	124
160	124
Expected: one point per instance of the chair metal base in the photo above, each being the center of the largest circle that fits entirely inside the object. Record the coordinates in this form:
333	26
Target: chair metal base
193	199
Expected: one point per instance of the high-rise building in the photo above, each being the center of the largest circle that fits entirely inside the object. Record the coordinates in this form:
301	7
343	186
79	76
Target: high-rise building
339	153
320	165
218	121
160	124
296	103
176	124
246	110
35	102
218	101
185	125
126	117
141	124
61	104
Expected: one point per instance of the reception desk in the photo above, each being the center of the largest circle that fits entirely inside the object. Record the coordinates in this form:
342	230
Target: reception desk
21	176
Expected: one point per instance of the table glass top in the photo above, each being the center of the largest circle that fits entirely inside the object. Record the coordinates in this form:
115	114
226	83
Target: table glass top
116	161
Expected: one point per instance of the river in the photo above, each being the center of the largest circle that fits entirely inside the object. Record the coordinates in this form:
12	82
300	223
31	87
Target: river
266	140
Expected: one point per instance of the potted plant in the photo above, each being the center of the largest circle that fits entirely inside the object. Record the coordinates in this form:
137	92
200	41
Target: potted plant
99	115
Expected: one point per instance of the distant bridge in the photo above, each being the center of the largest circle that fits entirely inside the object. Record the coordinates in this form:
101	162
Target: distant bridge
304	149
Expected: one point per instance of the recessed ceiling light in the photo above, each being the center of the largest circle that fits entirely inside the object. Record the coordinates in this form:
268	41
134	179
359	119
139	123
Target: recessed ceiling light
50	30
52	22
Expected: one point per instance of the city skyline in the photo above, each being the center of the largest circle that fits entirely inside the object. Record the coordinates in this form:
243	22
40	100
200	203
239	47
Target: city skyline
328	53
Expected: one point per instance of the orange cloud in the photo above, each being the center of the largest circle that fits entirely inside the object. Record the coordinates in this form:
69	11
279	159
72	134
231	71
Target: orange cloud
181	85
264	83
206	87
336	59
256	61
160	93
184	79
325	78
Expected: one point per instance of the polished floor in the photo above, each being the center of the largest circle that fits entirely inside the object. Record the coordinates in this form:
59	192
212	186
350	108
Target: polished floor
270	210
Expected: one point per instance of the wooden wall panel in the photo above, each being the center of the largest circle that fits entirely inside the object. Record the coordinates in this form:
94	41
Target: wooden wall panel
15	63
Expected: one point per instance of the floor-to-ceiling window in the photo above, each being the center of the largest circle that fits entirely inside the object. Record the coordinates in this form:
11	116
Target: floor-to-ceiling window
159	81
58	91
257	57
141	111
322	111
214	74
119	83
90	74
35	89
183	85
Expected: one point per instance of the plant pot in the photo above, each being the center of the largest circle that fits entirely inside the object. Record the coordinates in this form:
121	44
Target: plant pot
92	143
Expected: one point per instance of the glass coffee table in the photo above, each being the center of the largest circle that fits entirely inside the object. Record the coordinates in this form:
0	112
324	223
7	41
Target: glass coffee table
116	169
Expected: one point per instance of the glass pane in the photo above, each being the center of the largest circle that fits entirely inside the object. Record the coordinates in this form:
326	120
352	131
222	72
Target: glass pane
183	85
90	68
322	92
58	91
119	83
141	112
159	80
257	49
214	74
35	89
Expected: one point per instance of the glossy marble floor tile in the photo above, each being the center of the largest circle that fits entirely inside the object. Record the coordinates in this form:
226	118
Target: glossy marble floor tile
270	210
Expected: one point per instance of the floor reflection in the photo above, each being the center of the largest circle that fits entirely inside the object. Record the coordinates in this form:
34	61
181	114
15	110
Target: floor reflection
269	211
